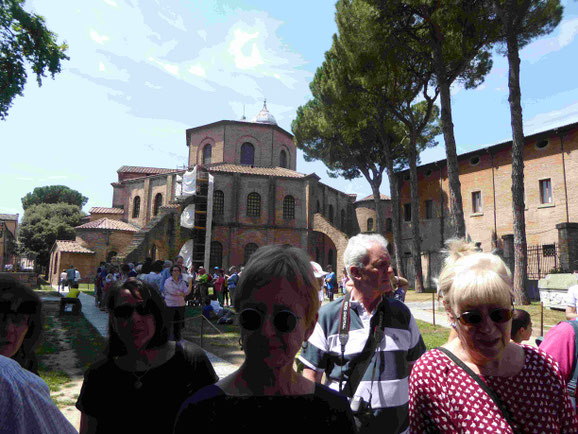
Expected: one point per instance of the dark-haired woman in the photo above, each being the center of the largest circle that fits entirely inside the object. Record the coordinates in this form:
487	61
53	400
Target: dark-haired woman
141	383
521	326
277	300
20	323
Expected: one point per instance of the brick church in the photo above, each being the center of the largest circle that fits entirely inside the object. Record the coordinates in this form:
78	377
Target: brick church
257	197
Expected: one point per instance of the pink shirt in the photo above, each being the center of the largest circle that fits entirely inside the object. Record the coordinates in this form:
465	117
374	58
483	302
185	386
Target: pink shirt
559	343
175	292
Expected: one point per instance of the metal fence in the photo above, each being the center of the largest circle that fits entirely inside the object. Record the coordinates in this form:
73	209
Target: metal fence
542	259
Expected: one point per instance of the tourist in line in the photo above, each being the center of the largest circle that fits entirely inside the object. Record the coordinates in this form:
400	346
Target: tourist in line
20	323
232	283
176	290
330	283
521	326
481	381
277	301
141	384
399	285
379	397
320	276
219	283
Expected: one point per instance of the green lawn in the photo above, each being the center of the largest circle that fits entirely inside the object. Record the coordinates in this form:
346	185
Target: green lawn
433	336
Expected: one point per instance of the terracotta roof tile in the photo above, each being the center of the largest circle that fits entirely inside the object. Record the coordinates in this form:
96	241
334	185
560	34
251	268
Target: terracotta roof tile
370	197
103	210
8	216
66	246
144	170
104	223
266	171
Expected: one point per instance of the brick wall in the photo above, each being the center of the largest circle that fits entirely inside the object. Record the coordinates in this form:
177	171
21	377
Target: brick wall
495	218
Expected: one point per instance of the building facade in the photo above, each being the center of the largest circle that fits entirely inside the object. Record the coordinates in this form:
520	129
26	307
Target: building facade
258	198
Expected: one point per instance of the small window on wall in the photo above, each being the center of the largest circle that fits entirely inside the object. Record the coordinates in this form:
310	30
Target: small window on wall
218	203
370	225
207	154
254	205
136	207
549	250
247	154
331	213
249	250
407	212
476	202
343	219
546	191
429	209
388	225
157	203
153	253
318	207
288	208
283	159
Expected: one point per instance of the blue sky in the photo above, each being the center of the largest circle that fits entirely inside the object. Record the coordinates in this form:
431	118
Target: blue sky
141	72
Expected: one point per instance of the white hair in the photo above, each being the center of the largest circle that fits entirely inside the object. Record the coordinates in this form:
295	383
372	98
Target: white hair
356	253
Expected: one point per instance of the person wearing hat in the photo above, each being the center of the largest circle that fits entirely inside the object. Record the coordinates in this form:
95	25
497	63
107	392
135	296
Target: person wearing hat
320	276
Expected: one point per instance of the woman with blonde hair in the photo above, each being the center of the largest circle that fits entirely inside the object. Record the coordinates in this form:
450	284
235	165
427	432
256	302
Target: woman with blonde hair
481	381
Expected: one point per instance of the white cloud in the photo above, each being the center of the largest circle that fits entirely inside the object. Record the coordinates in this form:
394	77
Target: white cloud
101	67
99	39
111	3
198	70
553	119
202	34
568	31
152	86
563	36
237	50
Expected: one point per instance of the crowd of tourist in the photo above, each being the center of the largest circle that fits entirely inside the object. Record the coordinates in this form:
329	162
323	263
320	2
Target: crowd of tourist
365	368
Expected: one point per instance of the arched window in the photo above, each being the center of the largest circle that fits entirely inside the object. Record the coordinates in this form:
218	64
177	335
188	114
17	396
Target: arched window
153	253
157	203
283	159
317	255
288	208
388	225
318	207
249	250
207	154
369	224
247	153
216	258
331	213
253	205
136	207
343	219
218	203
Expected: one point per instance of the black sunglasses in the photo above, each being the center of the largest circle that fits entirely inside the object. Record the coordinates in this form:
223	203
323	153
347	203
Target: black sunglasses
475	317
125	311
284	321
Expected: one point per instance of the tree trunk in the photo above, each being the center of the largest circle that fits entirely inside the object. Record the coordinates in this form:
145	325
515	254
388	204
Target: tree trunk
396	218
415	233
456	208
520	245
379	210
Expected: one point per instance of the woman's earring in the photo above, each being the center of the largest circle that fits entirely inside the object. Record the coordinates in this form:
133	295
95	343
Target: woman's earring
241	343
454	324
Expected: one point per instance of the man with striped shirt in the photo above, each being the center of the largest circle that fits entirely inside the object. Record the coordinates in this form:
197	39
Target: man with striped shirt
384	385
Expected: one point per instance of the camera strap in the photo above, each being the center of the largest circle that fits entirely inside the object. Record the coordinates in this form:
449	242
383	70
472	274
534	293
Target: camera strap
374	338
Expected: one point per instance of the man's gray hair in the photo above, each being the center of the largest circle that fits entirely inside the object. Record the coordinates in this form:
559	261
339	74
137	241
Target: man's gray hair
167	264
355	254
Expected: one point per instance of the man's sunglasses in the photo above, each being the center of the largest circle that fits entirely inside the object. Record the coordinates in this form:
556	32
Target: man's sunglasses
475	317
125	311
284	321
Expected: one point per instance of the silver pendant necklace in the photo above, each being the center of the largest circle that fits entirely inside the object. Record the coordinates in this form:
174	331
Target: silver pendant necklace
138	383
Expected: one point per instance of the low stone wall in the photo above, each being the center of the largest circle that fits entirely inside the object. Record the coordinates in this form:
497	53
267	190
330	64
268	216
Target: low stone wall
29	278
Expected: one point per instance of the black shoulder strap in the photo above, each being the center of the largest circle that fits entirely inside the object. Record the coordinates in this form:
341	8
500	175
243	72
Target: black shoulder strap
571	386
501	406
362	363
